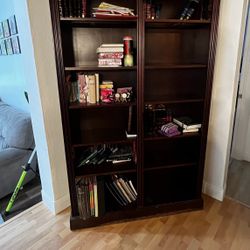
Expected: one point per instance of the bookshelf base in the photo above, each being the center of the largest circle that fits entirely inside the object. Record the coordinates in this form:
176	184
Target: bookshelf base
126	215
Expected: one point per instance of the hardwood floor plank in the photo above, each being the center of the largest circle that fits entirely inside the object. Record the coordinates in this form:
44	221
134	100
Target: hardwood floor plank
219	226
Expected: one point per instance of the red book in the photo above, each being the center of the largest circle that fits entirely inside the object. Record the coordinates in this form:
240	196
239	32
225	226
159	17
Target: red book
84	8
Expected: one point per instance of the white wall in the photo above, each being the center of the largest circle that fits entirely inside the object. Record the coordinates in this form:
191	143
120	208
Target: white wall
45	108
12	78
230	42
34	71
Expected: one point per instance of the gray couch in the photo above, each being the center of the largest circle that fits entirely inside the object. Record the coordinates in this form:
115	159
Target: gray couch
16	143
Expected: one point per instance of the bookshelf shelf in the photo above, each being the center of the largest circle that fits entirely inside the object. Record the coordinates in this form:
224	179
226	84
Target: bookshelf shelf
176	101
175	66
172	78
160	137
106	169
130	213
97	68
100	105
155	168
176	23
100	136
99	22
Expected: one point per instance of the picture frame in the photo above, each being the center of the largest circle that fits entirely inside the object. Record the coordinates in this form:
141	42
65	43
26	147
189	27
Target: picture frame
13	25
6	28
1	31
16	45
9	47
3	47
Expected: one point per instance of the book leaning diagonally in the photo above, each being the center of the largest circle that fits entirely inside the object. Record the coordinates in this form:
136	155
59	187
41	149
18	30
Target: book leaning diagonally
97	83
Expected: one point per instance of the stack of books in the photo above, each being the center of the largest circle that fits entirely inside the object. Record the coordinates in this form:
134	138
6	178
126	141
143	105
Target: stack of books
187	124
84	88
110	11
122	190
107	91
90	197
110	55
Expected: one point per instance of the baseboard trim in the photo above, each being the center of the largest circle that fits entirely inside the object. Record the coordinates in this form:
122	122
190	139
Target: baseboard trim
213	191
56	206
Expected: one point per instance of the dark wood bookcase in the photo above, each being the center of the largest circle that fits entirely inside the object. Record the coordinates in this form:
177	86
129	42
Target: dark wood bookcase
174	66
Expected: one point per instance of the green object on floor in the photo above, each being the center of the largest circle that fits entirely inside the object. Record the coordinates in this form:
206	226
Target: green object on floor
26	168
18	186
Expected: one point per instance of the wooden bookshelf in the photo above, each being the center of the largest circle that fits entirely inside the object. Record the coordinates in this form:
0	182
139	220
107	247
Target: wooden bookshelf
174	63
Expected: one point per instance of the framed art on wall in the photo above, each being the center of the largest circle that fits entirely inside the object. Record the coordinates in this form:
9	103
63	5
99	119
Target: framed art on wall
6	28
1	31
13	25
9	46
16	45
3	47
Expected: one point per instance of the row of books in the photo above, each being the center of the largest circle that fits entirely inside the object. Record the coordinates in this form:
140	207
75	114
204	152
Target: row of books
122	189
90	197
83	88
114	154
86	88
110	55
91	192
72	8
78	8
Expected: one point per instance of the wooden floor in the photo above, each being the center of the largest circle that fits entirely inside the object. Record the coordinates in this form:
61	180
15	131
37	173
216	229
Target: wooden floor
219	226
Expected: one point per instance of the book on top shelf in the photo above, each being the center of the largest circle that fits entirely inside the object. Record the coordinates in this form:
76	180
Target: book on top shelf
106	10
186	122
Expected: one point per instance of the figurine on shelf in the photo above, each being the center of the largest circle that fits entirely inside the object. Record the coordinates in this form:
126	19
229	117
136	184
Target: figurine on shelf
124	94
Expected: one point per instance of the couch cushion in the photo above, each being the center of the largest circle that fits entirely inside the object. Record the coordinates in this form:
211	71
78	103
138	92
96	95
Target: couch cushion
15	128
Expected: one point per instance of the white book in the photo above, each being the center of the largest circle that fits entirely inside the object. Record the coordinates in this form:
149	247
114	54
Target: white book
132	186
95	197
92	89
123	184
109	49
193	130
122	190
111	45
97	83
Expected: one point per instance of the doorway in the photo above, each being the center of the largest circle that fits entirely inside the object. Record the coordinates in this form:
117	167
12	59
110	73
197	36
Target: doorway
238	182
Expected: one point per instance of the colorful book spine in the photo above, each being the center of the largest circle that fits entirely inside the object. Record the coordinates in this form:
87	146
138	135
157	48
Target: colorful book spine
110	62
84	8
60	8
95	196
110	55
97	85
92	89
82	88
